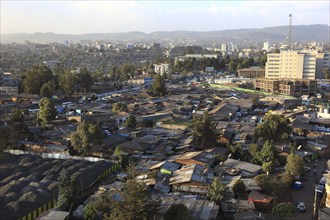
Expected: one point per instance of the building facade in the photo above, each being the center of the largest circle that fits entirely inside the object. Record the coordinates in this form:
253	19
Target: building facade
162	68
251	73
294	87
292	73
295	65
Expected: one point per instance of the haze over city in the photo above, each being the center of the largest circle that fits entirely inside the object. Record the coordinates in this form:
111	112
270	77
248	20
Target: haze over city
79	17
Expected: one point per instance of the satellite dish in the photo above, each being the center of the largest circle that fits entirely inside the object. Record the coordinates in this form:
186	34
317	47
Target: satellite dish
299	147
229	155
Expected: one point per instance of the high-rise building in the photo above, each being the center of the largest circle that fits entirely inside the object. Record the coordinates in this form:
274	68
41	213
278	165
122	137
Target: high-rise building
293	73
294	65
266	46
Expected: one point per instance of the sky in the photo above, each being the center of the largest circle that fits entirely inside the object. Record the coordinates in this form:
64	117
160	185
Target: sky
80	17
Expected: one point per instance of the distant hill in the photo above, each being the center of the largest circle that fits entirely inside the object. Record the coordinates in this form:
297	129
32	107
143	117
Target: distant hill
317	32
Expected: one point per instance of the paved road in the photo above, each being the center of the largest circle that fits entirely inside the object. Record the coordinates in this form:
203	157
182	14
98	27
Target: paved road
306	194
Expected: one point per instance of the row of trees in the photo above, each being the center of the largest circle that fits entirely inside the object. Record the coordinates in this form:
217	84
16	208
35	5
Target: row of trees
41	80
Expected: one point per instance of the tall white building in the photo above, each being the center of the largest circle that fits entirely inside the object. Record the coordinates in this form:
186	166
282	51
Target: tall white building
224	48
162	68
266	46
295	65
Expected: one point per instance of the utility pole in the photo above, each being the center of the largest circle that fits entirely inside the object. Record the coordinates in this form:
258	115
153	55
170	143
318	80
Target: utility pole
315	199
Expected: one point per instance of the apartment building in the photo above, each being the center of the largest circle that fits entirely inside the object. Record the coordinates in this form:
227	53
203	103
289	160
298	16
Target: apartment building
162	68
251	73
294	87
293	72
295	65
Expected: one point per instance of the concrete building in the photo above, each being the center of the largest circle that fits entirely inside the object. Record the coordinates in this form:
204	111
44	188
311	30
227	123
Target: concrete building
292	73
294	87
162	68
251	73
266	46
294	65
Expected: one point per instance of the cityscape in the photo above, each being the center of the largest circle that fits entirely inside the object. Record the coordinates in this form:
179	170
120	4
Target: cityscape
169	110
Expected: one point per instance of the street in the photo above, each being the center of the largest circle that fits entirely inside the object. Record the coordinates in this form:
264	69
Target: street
306	194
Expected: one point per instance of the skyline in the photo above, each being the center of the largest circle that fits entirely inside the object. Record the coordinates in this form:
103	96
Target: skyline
80	17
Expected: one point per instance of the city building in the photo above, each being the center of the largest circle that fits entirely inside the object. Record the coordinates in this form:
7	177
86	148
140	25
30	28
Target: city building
295	65
294	87
292	73
162	68
251	73
266	46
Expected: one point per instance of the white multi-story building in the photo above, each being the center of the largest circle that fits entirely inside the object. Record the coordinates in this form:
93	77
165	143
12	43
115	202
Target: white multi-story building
295	65
162	68
266	46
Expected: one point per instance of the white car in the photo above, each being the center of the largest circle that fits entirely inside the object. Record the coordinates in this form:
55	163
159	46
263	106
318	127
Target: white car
301	207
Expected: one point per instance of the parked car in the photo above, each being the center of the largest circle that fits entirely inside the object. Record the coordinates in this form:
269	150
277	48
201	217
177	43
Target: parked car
323	181
297	185
301	207
320	190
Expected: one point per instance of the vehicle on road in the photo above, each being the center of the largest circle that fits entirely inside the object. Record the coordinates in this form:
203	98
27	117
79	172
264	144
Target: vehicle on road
320	190
301	207
297	185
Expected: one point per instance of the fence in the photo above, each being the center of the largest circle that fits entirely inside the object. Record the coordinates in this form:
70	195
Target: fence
56	156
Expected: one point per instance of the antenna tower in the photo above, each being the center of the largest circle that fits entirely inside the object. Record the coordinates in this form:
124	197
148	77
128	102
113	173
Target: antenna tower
290	33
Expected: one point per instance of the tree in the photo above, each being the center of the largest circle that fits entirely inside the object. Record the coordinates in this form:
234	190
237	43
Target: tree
204	135
85	79
271	185
68	82
47	89
158	87
47	111
66	190
17	116
254	151
268	167
236	151
284	210
216	191
35	78
119	107
326	73
268	152
274	128
131	121
90	211
294	165
86	136
178	212
239	188
135	203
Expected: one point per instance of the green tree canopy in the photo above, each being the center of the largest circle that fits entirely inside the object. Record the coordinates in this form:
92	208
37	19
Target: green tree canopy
85	79
135	203
204	135
239	188
294	165
68	82
47	111
86	136
158	87
131	121
272	185
275	128
67	187
119	107
35	78
326	73
17	116
216	191
47	89
284	210
178	212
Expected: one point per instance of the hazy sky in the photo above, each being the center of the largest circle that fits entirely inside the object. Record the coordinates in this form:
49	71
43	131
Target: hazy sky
77	17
